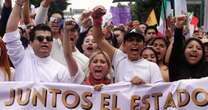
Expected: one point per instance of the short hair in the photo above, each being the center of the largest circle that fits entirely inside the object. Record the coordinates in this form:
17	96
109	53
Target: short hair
163	39
150	27
136	35
56	11
39	27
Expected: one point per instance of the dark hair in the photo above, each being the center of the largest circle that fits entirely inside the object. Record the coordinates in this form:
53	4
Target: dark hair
136	35
54	12
151	27
163	39
39	27
153	50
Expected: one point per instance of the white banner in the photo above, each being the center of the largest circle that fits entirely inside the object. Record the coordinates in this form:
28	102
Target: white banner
182	95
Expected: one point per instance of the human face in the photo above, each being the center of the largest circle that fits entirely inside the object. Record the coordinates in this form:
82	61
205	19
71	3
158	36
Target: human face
161	48
99	67
119	36
53	22
132	47
193	52
151	33
42	48
149	55
89	45
142	27
198	34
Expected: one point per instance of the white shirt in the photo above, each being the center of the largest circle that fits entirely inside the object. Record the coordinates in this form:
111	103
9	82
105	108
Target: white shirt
125	69
57	53
29	67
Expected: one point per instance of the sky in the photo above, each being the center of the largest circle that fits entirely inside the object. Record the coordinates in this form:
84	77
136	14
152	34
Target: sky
89	4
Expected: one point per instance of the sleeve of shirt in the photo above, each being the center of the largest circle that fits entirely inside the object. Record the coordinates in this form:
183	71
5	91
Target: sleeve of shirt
14	47
66	78
156	75
176	57
117	57
41	15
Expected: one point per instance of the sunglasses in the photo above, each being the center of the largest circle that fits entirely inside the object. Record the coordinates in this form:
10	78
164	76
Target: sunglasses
41	38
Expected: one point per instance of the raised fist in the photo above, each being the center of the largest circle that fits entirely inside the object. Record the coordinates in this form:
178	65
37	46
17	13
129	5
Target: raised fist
98	12
69	25
97	15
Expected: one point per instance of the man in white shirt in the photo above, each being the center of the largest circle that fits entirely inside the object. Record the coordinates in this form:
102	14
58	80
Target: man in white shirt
57	49
128	66
34	63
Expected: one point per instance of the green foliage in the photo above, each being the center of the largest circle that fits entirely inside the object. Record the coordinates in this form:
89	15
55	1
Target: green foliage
56	4
134	11
142	8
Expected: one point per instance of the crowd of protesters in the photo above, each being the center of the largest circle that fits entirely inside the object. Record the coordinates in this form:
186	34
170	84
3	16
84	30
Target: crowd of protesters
46	47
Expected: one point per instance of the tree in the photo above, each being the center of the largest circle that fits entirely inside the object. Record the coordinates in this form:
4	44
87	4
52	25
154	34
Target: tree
56	4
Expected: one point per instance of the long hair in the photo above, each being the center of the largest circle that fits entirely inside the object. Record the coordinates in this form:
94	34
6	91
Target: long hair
4	60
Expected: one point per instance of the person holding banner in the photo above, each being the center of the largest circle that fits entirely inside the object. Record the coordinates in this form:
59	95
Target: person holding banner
99	64
128	66
34	63
186	60
99	69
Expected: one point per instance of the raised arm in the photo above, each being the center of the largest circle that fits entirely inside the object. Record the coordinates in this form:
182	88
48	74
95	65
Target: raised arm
41	15
12	36
71	62
97	14
15	16
26	12
177	50
6	10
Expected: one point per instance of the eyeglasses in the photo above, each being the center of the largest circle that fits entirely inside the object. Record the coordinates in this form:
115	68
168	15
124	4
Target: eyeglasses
41	38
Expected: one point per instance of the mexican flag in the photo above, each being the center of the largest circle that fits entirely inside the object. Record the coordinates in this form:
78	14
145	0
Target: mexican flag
164	13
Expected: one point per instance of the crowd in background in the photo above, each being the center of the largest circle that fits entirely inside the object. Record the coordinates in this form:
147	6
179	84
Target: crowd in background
46	47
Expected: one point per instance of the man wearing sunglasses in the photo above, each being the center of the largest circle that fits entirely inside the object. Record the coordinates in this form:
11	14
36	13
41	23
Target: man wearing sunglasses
34	63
